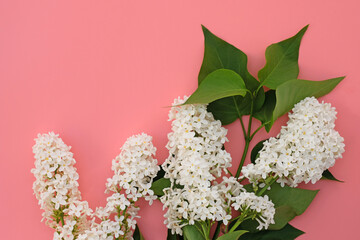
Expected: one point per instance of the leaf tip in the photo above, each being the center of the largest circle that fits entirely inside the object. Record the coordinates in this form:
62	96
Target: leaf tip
341	78
302	31
204	28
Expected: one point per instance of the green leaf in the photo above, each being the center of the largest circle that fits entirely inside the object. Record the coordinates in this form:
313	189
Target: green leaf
281	61
327	175
137	234
289	203
233	235
227	110
283	214
265	114
159	185
224	109
293	91
255	150
171	236
218	84
160	174
295	198
286	233
220	54
191	232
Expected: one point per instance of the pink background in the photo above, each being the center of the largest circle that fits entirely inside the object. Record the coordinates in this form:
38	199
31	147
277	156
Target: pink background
99	71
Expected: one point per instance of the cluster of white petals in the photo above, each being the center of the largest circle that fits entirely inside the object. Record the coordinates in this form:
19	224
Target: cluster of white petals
56	188
196	159
303	150
260	208
196	154
135	168
187	205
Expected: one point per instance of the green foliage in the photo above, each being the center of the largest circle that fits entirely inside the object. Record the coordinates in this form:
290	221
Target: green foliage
137	234
327	175
289	202
232	235
219	84
192	232
280	101
286	233
159	185
293	91
255	150
281	61
227	110
232	92
160	174
171	236
265	114
219	54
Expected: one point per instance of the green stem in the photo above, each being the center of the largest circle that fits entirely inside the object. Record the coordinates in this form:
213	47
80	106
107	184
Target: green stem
240	116
258	129
62	219
273	179
247	137
242	123
239	221
241	179
247	142
205	230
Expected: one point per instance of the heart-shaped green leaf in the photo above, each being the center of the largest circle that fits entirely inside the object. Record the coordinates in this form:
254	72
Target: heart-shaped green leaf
218	84
255	151
265	114
191	232
171	236
281	61
327	175
219	54
295	198
286	233
280	101
283	215
227	110
159	185
293	91
289	203
232	235
137	234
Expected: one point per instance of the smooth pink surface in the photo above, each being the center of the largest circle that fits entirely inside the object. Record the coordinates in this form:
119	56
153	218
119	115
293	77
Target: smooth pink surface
99	71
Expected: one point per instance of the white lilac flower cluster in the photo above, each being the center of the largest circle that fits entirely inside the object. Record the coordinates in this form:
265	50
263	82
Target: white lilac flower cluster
260	208
135	168
304	148
196	154
196	159
56	188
